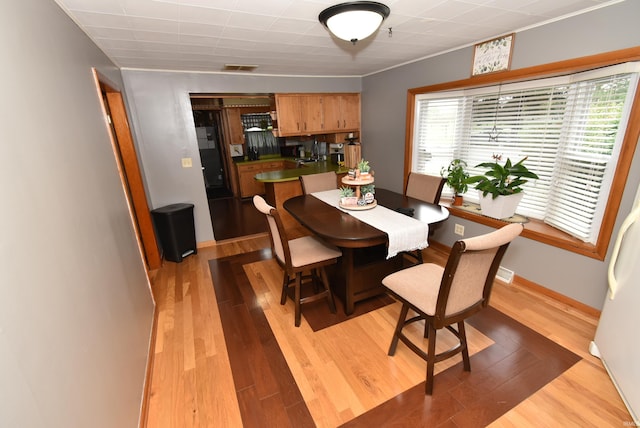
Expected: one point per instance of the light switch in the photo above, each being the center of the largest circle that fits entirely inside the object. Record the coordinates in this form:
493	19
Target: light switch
186	163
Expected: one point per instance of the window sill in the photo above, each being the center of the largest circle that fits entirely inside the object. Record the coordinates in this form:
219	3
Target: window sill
536	230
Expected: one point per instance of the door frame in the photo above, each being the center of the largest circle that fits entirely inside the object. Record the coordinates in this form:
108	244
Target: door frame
129	170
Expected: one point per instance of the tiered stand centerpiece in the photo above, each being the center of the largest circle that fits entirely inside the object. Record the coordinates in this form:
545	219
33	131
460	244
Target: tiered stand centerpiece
356	183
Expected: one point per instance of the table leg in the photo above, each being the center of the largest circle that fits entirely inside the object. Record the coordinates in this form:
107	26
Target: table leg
360	274
348	266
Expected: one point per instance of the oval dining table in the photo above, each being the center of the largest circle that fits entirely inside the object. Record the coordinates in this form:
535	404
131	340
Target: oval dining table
364	248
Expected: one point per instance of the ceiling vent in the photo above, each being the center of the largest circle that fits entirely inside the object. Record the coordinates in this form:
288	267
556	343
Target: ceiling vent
239	67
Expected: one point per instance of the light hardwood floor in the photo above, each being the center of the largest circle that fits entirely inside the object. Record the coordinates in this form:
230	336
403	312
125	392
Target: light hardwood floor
192	383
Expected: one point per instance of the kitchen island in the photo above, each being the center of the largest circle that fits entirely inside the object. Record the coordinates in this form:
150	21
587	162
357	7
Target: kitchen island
285	184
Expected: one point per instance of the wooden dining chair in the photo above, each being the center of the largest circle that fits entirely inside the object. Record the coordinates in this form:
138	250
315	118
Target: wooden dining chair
319	182
427	188
297	256
446	296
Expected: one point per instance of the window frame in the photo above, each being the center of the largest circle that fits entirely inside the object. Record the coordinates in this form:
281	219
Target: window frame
537	230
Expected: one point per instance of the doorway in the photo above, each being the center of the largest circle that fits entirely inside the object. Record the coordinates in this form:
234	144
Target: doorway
217	118
130	173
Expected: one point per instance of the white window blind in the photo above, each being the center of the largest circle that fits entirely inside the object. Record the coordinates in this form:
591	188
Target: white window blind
566	126
439	134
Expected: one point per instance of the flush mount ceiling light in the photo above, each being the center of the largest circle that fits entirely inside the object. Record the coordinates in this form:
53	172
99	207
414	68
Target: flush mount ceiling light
353	21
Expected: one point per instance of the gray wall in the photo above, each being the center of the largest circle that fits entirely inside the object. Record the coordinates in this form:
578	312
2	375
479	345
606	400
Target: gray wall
160	109
164	130
384	98
75	305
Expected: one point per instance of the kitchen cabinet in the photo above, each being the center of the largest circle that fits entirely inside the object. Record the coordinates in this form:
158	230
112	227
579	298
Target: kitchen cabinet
249	186
233	125
299	114
307	114
341	112
288	109
311	113
247	171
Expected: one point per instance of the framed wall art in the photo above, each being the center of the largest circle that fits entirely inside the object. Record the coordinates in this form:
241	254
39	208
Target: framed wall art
493	55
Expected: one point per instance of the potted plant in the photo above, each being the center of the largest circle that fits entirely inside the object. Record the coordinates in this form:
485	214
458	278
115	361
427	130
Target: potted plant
503	184
347	196
368	193
456	176
364	168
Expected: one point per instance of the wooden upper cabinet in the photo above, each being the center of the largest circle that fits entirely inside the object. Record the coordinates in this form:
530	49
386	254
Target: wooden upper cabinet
332	113
341	112
289	114
350	108
311	113
233	126
300	114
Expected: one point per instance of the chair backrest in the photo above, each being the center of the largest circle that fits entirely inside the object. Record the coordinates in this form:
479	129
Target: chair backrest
425	187
319	182
468	276
277	232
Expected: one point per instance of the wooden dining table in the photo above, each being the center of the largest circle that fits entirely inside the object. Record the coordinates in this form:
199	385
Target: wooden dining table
364	261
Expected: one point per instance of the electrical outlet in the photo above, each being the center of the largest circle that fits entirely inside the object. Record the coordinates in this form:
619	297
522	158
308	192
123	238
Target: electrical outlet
186	163
459	229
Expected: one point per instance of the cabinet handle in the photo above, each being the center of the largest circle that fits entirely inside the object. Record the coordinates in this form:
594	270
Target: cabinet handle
338	124
298	125
345	123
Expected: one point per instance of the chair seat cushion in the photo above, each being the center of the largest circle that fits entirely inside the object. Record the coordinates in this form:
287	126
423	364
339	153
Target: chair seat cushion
310	249
419	285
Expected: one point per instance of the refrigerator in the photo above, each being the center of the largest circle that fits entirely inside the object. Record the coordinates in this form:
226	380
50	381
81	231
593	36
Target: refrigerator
617	339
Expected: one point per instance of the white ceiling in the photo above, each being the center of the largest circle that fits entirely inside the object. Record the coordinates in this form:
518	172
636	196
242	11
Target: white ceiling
284	36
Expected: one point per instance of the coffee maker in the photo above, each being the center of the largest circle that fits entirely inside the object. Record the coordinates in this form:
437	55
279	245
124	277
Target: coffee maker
336	152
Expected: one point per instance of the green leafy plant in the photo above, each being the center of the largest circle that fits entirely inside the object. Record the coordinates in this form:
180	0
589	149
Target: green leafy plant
456	175
499	179
364	166
346	192
368	188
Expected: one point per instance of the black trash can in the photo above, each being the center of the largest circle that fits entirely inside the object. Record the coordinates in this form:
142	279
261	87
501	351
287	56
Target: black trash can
176	230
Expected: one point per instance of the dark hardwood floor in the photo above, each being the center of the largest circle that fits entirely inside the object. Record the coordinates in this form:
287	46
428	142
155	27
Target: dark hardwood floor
234	218
273	365
227	354
218	192
519	363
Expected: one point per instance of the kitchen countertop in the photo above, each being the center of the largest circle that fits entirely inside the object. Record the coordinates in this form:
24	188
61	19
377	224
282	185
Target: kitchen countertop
263	159
294	173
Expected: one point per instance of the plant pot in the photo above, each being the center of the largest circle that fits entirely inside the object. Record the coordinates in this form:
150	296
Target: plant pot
457	200
500	207
349	200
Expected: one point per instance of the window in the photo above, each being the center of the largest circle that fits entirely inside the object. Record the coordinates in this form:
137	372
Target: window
258	134
571	128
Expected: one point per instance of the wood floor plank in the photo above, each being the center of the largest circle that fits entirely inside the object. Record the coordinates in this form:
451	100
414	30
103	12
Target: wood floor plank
570	401
351	375
320	381
257	360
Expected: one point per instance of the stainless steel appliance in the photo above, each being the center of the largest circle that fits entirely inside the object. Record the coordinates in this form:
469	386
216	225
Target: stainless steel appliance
336	152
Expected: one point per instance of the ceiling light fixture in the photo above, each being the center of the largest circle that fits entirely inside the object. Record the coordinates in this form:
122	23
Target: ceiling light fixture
353	21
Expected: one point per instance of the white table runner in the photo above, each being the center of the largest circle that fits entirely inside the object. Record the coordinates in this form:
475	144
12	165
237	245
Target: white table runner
405	233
